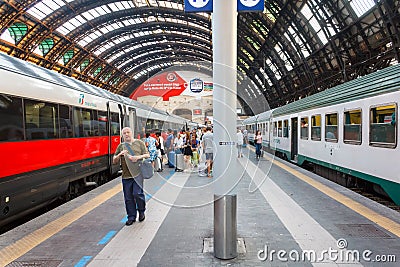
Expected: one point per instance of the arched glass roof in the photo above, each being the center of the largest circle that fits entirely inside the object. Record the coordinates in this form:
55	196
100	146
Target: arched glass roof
292	49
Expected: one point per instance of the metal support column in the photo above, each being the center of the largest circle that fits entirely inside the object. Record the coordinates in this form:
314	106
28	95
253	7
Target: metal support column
224	36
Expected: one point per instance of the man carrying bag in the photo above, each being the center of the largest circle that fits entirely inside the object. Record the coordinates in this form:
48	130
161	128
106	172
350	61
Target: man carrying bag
132	180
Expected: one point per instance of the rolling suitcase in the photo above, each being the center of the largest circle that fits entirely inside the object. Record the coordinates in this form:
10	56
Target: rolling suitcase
180	163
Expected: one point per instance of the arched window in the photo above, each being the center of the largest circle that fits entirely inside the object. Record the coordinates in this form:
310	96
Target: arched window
17	31
67	56
115	81
84	64
107	76
97	71
46	46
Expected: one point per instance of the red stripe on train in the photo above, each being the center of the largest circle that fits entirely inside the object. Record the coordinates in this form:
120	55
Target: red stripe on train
20	157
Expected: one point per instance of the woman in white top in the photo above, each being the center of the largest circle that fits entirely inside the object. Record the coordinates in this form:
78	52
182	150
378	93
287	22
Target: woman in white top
258	143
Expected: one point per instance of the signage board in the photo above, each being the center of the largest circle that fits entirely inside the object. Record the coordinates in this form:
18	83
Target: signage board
196	85
198	5
197	111
250	5
207	5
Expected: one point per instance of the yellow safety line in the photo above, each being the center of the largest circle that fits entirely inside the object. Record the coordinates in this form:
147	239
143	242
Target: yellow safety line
371	215
23	245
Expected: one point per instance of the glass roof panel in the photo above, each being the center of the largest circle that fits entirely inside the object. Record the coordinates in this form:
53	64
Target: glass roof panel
89	15
42	10
36	13
274	69
306	11
361	6
100	10
7	37
75	22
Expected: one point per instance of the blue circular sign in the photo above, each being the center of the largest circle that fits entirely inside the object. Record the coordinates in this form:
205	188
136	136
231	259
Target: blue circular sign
198	3
249	3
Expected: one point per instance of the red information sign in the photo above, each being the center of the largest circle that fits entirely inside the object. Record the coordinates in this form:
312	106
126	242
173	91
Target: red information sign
166	85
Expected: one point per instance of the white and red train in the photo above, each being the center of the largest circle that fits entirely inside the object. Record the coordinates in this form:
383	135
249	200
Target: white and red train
348	133
58	135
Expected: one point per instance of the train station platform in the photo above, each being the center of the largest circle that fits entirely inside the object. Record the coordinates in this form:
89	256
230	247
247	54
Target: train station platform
291	218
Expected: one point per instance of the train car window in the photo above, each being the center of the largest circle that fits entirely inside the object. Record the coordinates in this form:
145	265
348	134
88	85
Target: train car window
11	119
275	131
286	128
331	127
304	128
115	125
95	123
41	120
150	125
383	124
352	127
83	122
65	114
142	127
102	122
316	127
158	125
279	128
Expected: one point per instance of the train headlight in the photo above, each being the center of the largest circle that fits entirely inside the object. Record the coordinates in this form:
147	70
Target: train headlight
7	199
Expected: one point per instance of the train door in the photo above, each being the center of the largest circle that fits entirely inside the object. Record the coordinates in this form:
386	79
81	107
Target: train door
294	140
114	114
133	121
123	116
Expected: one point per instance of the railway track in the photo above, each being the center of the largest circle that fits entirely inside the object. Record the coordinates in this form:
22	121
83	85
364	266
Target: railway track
377	198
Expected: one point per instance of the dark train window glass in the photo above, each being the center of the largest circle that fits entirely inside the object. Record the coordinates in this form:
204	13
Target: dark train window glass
331	127
150	125
383	124
286	128
11	118
279	128
352	127
102	122
275	129
115	125
157	125
142	127
41	120
95	123
304	128
316	127
65	121
83	122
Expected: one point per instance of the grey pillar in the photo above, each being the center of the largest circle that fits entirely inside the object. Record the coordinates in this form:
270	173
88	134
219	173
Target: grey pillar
224	30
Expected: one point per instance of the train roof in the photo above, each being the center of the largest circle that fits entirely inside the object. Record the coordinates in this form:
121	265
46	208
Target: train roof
380	82
260	117
28	69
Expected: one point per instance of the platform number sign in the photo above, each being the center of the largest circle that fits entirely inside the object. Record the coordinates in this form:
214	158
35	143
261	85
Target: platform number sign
250	5
198	5
207	5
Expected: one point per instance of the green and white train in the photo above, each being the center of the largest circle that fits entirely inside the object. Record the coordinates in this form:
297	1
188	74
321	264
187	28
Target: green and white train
348	133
